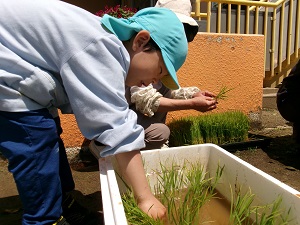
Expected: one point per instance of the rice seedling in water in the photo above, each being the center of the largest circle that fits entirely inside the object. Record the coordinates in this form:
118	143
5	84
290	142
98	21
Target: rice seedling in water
277	215
241	211
183	190
134	215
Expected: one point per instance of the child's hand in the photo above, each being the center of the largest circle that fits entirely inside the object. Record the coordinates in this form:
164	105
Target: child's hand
205	93
132	170
152	207
203	103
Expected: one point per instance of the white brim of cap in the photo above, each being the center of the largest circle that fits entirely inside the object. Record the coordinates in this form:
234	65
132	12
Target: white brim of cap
186	19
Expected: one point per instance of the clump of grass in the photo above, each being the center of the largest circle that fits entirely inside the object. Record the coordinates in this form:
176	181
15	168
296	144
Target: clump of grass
241	211
134	215
222	95
217	128
183	190
277	215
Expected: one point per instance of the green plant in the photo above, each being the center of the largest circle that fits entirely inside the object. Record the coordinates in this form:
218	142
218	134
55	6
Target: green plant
134	215
222	93
185	189
182	189
276	216
217	128
241	211
117	11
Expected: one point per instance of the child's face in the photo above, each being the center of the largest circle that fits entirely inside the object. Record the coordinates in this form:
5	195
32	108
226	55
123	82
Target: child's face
146	67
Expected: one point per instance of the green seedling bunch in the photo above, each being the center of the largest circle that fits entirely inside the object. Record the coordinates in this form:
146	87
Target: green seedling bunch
184	189
222	95
217	128
134	215
243	213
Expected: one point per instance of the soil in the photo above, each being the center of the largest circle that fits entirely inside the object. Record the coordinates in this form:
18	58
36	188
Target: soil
279	157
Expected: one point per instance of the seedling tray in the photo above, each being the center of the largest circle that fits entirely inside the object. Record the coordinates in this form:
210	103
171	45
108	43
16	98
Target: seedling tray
237	174
254	141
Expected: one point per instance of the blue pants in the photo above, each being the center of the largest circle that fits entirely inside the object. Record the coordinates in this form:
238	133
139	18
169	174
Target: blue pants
31	143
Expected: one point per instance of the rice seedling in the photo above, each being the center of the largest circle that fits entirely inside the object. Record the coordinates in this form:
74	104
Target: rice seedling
134	215
185	189
178	137
217	128
241	211
222	95
276	216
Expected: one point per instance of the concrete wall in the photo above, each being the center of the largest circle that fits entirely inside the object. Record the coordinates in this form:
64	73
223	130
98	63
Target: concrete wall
214	61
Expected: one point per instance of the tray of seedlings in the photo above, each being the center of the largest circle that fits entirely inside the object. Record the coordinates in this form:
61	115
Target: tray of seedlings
203	184
230	130
191	197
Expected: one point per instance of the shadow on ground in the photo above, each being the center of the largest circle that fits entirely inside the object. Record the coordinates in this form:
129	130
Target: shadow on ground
11	207
280	159
285	150
11	210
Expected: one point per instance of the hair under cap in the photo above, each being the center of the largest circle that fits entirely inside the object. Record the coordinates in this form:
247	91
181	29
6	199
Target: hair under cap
165	29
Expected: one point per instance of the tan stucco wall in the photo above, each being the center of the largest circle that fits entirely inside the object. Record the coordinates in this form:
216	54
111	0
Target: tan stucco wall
214	61
71	135
231	60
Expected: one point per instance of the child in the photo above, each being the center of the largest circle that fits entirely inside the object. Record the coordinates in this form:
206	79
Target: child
55	55
152	103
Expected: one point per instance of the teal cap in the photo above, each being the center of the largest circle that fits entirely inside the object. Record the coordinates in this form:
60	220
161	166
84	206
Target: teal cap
165	29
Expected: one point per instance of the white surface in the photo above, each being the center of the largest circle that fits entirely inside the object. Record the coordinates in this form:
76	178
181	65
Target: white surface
113	209
237	174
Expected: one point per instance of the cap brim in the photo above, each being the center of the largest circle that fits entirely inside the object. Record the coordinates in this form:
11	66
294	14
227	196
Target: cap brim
186	19
170	81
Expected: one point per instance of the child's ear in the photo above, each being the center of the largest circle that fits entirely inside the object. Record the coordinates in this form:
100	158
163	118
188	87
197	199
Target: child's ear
140	40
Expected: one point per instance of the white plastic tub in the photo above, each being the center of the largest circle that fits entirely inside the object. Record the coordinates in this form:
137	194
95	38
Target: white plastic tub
237	173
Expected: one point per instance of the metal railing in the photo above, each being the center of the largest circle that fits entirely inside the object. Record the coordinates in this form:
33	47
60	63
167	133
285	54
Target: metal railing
278	21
